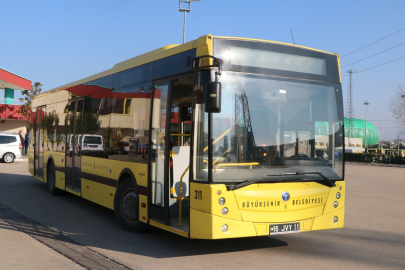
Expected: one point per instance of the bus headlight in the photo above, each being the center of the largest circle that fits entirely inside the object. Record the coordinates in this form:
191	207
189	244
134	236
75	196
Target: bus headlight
224	211
224	228
338	195
335	204
335	219
221	201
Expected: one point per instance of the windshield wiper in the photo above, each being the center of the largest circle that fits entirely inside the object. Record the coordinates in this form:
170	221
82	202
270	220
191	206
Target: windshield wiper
329	182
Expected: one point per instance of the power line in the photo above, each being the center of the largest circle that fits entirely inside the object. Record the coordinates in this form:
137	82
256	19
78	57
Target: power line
381	64
372	43
378	65
388	127
384	120
373	55
370	32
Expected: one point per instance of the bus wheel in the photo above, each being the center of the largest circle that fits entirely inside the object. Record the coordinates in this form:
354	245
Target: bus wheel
126	207
50	180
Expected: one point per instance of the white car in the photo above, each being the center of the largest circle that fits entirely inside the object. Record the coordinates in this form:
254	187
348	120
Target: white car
10	146
88	145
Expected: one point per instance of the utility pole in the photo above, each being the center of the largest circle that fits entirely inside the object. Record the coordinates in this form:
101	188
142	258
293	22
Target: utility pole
398	144
185	8
349	105
365	129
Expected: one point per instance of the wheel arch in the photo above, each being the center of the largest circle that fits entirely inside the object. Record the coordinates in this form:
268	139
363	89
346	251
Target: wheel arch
125	174
48	162
50	159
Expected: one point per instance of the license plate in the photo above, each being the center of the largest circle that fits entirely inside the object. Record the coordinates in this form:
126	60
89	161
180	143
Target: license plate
284	228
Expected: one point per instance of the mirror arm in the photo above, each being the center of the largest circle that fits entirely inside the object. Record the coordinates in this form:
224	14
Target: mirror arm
217	62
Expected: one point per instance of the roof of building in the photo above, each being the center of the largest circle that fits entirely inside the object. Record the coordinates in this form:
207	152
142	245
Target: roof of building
13	81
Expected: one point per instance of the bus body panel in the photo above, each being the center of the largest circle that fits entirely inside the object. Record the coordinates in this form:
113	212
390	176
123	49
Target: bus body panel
204	197
326	221
207	226
98	193
143	211
109	170
264	203
60	180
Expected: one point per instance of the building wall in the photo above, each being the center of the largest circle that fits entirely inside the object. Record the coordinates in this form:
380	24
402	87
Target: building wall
14	125
354	142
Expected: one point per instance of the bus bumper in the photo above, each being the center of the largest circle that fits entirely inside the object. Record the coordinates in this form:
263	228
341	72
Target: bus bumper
207	226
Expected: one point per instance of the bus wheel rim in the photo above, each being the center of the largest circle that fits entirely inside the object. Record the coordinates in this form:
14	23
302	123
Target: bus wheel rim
129	205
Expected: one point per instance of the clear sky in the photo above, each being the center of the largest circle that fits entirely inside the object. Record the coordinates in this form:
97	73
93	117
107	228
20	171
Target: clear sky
58	42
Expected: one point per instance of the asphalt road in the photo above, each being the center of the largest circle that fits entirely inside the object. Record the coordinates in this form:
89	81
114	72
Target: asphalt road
373	236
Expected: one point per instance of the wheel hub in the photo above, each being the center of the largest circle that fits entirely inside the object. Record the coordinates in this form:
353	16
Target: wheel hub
129	205
8	158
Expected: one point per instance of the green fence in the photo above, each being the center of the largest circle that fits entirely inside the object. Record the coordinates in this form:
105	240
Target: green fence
373	158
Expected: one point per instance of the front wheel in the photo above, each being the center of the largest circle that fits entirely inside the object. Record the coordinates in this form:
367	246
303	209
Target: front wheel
8	157
126	207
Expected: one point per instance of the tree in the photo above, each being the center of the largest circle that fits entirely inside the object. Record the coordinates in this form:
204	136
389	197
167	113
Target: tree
397	105
28	96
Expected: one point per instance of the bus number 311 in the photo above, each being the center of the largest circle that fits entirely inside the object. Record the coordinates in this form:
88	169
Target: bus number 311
198	195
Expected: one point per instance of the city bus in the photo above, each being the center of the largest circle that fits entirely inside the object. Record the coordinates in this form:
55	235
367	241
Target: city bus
220	137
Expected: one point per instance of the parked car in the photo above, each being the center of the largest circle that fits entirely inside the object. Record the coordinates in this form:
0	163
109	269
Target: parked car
10	146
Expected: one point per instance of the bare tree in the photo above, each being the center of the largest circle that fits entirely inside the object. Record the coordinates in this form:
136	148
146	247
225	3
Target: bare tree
397	106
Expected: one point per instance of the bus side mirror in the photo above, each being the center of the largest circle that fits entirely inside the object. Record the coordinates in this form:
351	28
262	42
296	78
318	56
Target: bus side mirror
212	97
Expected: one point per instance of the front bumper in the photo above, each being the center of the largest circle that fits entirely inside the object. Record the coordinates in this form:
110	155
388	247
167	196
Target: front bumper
207	226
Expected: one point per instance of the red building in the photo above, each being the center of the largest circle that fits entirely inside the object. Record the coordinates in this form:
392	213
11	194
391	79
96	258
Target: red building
10	120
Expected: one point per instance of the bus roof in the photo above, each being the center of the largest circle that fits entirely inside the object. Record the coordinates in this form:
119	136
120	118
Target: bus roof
203	45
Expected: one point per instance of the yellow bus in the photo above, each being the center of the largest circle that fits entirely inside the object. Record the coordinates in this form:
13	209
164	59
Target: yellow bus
214	138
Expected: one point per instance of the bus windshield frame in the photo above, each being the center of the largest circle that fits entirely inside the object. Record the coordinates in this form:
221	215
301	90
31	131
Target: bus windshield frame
285	124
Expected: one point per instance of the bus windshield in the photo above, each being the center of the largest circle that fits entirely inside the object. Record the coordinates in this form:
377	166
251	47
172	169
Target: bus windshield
275	126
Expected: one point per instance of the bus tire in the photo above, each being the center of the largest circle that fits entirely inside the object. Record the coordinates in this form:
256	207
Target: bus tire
51	179
126	207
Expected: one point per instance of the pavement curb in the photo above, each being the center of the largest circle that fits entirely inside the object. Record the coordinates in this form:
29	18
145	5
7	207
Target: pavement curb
376	164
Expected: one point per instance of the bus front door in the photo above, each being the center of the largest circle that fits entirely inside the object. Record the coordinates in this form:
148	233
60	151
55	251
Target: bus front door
159	157
74	127
170	152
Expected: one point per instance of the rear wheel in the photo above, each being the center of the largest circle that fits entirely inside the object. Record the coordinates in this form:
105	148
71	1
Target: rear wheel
8	157
126	207
51	179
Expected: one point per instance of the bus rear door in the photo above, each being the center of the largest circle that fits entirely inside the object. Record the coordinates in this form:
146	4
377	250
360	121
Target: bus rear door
72	153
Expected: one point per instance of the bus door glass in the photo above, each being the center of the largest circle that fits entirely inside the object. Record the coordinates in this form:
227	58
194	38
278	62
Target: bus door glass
180	140
159	155
39	142
170	150
73	149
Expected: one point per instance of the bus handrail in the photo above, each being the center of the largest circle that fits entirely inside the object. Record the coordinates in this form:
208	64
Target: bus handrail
179	135
181	198
217	139
237	164
215	161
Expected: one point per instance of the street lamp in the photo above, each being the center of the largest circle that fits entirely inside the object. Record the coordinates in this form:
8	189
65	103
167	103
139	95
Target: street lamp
185	8
365	140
